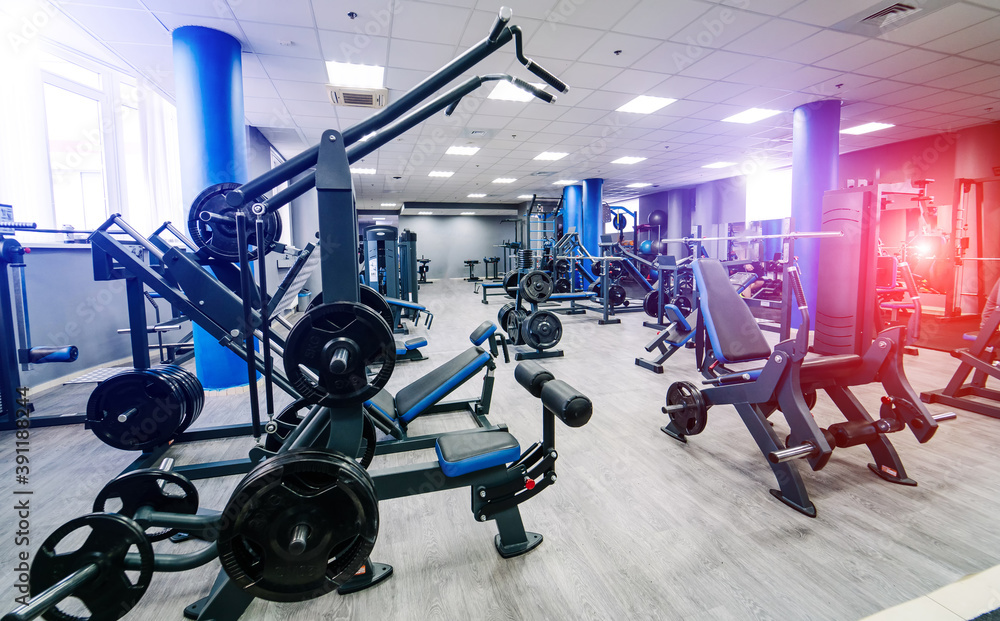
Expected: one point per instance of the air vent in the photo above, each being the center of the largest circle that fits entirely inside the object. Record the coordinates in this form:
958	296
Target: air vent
358	97
542	173
478	133
884	17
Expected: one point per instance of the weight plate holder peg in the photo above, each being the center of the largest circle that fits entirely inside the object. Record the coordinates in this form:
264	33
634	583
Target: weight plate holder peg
541	330
292	416
328	352
686	407
615	270
300	525
136	410
536	286
111	593
212	224
515	320
161	490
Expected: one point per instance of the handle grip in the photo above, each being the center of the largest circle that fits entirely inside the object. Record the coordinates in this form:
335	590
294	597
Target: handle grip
19	226
534	90
552	80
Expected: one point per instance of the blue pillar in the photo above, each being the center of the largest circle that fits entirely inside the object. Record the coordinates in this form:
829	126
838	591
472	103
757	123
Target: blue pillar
815	156
593	222
208	75
572	209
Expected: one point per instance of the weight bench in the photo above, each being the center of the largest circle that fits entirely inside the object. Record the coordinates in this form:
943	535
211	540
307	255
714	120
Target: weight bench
422	397
676	335
980	360
489	286
787	382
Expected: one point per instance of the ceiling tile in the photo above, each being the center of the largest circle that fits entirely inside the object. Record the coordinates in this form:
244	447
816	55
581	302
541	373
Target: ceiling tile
719	92
944	22
201	8
657	19
717	65
634	82
983	87
120	25
897	64
632	49
427	57
820	45
772	36
354	48
824	12
861	55
562	41
719	27
174	21
988	53
947	66
431	23
286	12
587	75
302	91
282	40
967	38
670	57
298	69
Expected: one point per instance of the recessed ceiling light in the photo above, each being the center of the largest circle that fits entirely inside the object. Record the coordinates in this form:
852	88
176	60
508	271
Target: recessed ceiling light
504	180
388	204
355	76
638	185
526	196
425	213
477	195
440	173
646	104
363	171
751	116
565	182
719	165
628	159
864	129
505	91
550	156
379	219
467	213
461	151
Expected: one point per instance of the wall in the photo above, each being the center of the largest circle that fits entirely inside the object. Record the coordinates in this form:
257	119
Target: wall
449	240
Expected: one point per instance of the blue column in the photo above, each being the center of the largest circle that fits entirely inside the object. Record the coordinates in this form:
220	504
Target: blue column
208	75
572	208
815	158
593	223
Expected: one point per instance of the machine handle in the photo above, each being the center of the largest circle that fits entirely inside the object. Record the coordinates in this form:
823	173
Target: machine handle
534	67
807	449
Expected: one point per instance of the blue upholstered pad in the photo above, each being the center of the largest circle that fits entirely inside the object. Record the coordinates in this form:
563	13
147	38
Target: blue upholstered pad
673	314
383	402
431	388
405	304
483	332
579	295
731	327
492	285
470	451
415	343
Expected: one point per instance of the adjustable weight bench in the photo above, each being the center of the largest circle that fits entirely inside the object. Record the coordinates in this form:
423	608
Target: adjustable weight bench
676	335
787	382
979	360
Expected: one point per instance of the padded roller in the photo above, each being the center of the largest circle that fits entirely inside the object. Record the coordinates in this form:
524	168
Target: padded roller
43	355
483	332
532	376
567	403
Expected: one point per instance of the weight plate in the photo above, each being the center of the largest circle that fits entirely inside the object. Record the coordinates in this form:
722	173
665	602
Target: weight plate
683	304
562	285
650	303
541	330
194	392
136	410
149	488
324	497
513	326
691	413
536	286
112	593
504	311
561	267
292	416
595	268
335	329
596	287
615	270
367	296
616	295
510	282
217	235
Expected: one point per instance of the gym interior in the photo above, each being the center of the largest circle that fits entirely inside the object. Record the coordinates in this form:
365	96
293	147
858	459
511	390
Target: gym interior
290	288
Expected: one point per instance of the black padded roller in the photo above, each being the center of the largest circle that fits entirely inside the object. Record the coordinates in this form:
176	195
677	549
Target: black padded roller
567	403
532	376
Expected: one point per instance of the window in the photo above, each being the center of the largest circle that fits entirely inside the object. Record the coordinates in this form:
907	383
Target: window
286	211
769	195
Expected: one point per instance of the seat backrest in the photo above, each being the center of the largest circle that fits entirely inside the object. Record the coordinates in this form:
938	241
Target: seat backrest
731	327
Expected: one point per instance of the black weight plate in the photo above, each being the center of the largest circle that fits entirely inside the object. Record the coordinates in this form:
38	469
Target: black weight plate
287	420
217	238
595	268
112	593
330	494
561	267
615	270
683	304
536	286
650	303
691	419
148	488
616	295
562	285
367	296
513	326
596	287
313	340
193	391
159	410
811	398
510	282
541	330
502	315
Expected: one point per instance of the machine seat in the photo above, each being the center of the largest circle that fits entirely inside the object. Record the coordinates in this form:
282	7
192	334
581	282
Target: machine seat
463	452
731	327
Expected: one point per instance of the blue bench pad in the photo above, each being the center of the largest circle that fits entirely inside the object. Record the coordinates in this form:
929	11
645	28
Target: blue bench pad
579	295
734	332
405	304
483	332
492	285
431	388
470	451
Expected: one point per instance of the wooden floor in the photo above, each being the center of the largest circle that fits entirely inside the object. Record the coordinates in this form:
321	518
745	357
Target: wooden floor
638	526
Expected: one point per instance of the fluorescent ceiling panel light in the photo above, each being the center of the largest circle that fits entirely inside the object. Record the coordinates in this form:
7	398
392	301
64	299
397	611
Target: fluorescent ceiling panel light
719	165
629	159
866	128
751	116
504	180
645	104
550	156
526	196
355	76
505	91
363	171
425	213
388	204
379	219
477	195
638	185
461	151
440	173
467	213
565	182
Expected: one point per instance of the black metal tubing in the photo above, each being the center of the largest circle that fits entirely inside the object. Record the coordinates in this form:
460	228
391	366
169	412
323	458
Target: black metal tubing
248	328
292	192
55	594
189	523
273	178
175	562
265	325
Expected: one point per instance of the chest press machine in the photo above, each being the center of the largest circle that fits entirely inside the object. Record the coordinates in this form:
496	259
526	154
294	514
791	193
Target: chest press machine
303	523
788	382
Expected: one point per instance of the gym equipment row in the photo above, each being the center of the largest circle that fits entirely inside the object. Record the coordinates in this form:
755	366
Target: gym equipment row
539	330
391	266
789	383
